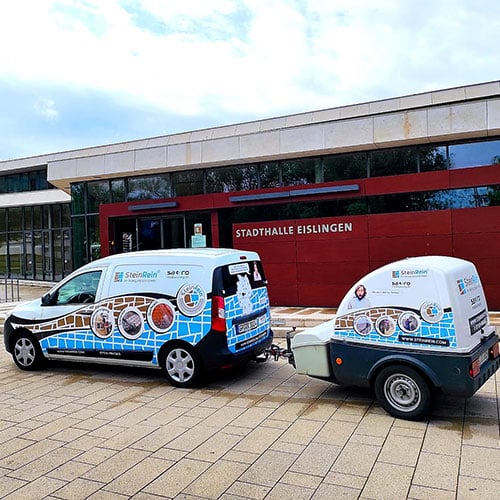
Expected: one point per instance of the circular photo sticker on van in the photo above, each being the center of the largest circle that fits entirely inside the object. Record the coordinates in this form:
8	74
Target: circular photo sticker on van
409	322
191	299
363	325
431	312
161	316
385	326
102	322
131	323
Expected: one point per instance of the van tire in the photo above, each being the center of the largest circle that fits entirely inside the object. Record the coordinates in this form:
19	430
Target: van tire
181	365
403	392
26	352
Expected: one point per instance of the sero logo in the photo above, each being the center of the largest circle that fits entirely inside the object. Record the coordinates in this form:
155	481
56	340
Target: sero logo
466	285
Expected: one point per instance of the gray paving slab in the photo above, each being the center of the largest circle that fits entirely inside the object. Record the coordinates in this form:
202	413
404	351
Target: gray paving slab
81	431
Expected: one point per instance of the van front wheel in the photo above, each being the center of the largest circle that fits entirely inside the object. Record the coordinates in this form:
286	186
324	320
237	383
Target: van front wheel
403	392
26	352
182	366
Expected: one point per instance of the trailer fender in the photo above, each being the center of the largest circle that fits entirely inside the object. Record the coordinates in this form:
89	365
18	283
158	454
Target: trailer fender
398	359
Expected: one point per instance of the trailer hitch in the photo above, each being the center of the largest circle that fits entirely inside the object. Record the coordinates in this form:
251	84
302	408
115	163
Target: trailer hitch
276	352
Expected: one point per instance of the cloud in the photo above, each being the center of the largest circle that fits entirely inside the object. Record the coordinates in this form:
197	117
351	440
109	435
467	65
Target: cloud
255	56
46	109
223	60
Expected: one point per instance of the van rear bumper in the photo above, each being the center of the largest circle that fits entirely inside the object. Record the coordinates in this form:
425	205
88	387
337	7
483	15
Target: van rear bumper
215	353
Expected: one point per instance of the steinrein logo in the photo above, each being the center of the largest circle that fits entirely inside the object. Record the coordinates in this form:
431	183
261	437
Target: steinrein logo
465	285
122	276
410	273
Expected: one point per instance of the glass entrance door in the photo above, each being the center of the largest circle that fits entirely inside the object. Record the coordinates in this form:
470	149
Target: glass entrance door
149	233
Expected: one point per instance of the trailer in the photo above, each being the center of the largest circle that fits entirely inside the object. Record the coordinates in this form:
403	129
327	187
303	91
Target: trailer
408	330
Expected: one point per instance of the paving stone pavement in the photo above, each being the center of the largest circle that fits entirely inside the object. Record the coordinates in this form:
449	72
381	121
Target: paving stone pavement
76	431
83	431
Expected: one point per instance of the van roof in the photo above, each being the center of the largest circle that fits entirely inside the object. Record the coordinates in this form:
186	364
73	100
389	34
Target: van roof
219	256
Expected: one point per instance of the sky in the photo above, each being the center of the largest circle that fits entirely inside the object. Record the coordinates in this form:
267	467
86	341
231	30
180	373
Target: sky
83	73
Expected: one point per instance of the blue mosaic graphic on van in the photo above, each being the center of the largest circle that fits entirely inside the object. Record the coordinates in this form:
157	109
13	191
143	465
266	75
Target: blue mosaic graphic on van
127	324
245	334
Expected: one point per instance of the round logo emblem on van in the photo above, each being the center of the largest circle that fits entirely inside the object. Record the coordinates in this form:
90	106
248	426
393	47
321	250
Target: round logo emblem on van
431	312
130	323
161	315
191	299
102	322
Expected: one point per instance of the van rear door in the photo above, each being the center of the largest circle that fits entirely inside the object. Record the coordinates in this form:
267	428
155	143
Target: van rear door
241	290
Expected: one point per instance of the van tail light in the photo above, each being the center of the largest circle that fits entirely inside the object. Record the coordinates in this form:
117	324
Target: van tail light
218	314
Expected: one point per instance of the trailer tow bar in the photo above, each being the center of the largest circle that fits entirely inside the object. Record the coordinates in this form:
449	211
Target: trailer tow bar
276	352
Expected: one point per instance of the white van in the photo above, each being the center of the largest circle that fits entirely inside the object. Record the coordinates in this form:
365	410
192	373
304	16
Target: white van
182	310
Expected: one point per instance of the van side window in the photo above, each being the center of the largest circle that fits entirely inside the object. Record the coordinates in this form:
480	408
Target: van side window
81	289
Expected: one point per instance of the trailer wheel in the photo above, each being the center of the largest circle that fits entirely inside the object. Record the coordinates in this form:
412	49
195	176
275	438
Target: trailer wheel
182	365
403	392
26	352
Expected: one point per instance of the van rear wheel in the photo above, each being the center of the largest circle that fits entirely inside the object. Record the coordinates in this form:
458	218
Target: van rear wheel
403	392
26	352
182	365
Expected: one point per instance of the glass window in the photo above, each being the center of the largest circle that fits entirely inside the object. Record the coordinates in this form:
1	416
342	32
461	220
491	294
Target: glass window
3	220
56	216
493	194
37	217
345	166
94	239
45	216
188	182
229	179
474	154
117	190
79	242
16	252
152	187
3	254
66	215
393	161
432	158
302	171
82	289
269	175
28	218
15	217
97	194
78	198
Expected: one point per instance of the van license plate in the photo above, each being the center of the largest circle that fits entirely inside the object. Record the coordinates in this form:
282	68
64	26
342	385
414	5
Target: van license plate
248	326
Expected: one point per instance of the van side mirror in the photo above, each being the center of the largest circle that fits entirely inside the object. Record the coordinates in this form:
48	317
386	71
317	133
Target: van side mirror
48	299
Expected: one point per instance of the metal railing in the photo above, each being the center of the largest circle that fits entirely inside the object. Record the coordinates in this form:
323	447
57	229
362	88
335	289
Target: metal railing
9	290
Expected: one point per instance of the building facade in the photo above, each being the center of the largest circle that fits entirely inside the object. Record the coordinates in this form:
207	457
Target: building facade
324	196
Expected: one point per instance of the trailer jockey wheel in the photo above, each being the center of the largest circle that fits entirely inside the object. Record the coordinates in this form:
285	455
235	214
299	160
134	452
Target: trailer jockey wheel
403	392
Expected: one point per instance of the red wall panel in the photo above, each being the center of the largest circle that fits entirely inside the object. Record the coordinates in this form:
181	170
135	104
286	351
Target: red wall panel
476	220
410	223
317	269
